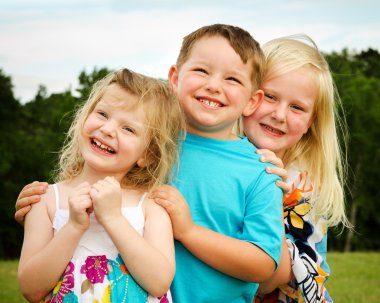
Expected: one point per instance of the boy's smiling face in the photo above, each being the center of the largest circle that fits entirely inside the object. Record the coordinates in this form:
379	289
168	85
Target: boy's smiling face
214	87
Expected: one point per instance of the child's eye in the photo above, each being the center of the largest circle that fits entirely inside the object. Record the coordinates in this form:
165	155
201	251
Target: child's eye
234	79
269	97
297	107
102	113
129	129
200	70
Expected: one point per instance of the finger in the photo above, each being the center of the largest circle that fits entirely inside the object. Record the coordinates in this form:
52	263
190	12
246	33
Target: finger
274	170
111	180
81	204
283	185
35	183
20	214
264	151
32	190
272	159
166	204
84	184
167	188
161	194
94	192
25	202
82	189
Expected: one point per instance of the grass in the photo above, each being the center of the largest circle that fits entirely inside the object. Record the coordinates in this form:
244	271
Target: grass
355	278
9	290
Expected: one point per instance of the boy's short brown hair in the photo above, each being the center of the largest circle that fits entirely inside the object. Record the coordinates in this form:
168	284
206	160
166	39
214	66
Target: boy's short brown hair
240	40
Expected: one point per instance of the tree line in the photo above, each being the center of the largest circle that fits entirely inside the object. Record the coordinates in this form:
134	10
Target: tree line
33	133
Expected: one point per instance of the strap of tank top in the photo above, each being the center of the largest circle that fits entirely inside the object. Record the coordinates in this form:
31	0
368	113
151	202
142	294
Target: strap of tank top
56	192
142	199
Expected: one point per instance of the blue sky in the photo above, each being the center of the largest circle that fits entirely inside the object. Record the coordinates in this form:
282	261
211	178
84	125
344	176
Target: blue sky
50	42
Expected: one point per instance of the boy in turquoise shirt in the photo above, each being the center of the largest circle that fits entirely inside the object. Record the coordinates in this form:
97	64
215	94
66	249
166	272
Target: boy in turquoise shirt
225	209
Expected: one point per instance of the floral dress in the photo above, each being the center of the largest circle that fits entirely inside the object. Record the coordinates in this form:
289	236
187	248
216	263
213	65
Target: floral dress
307	243
96	272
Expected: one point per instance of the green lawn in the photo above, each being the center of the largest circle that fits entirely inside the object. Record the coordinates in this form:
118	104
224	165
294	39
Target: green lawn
9	291
355	278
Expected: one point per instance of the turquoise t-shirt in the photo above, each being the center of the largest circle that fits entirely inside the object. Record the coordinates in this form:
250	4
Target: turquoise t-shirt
228	191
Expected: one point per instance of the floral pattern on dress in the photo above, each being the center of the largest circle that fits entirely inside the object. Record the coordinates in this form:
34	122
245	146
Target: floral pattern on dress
95	268
123	287
304	234
65	287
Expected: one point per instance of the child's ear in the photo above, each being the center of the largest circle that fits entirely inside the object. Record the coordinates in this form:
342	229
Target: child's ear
141	162
254	102
173	78
311	121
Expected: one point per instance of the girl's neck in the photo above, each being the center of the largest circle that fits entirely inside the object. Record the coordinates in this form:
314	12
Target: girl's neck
91	176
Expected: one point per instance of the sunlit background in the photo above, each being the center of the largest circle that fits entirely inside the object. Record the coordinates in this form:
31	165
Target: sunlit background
50	42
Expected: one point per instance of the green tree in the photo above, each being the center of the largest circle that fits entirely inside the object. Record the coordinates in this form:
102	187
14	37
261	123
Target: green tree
358	80
32	136
10	117
86	81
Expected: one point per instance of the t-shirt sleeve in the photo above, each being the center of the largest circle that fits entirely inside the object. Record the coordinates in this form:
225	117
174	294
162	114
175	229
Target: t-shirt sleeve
263	224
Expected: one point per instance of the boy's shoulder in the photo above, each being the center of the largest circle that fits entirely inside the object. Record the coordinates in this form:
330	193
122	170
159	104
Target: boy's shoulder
238	155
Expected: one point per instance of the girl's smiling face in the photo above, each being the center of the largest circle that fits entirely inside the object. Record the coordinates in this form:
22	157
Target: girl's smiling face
286	112
114	134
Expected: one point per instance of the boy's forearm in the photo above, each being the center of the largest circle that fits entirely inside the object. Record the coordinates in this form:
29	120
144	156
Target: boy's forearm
237	258
282	275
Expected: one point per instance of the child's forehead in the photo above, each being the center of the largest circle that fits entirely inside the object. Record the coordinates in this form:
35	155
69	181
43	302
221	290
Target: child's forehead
212	40
213	47
117	97
216	51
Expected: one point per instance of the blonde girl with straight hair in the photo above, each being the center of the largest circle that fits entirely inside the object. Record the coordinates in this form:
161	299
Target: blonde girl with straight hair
96	236
300	120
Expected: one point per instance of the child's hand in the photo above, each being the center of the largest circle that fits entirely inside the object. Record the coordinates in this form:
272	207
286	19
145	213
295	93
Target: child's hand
279	170
177	208
80	206
106	197
30	194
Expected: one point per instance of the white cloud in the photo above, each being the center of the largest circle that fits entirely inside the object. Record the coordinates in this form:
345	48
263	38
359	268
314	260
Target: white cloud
46	43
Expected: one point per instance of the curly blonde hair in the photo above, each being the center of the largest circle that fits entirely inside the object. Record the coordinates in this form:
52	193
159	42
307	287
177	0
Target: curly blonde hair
165	124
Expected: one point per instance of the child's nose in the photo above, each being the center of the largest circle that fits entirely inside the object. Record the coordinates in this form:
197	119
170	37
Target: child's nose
279	113
213	84
108	129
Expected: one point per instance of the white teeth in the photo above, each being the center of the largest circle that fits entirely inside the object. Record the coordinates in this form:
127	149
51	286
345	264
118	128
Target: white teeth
274	130
210	103
102	146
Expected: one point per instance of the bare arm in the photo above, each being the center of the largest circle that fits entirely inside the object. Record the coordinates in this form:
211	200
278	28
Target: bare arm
237	258
149	259
282	275
29	195
44	257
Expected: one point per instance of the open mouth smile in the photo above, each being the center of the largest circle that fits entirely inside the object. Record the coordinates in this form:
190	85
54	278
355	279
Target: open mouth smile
272	130
209	103
99	145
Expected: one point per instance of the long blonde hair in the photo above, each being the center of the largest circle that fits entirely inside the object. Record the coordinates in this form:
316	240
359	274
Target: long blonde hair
319	150
165	124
